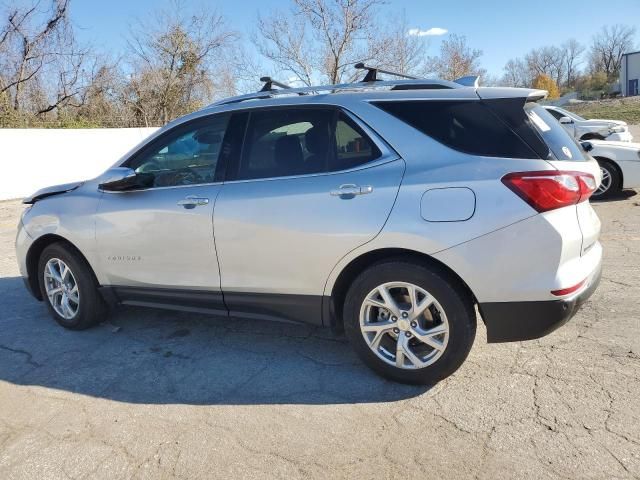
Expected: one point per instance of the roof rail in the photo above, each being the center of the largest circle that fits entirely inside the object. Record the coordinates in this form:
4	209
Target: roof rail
369	82
415	84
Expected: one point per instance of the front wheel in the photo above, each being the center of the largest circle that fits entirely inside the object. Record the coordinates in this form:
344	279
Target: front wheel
611	181
69	289
409	323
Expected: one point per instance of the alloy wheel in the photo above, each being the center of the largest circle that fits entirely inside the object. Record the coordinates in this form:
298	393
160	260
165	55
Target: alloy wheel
605	185
404	325
61	288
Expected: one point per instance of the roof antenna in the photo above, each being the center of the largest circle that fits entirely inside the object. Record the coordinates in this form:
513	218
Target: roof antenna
270	82
372	73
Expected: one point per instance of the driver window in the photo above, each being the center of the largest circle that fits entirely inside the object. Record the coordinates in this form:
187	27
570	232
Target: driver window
187	157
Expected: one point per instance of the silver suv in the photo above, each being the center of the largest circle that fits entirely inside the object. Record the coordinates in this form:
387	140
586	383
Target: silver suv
389	209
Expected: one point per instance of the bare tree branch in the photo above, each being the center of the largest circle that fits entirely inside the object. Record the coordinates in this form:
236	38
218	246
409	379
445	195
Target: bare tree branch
320	39
609	46
456	59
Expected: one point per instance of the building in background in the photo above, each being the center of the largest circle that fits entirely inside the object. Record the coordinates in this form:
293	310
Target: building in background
630	74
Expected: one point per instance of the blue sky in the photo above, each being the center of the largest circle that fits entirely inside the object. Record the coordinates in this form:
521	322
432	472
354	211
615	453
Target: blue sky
503	29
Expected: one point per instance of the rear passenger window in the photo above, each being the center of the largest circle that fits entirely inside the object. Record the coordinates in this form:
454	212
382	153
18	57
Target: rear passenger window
302	141
284	142
353	148
466	126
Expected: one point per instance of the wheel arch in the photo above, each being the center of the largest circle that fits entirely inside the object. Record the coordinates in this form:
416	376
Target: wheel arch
592	136
33	257
359	264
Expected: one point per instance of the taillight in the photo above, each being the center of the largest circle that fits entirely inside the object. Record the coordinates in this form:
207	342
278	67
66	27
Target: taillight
551	189
587	185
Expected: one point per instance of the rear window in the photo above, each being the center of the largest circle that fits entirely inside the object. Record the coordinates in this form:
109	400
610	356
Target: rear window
563	146
468	126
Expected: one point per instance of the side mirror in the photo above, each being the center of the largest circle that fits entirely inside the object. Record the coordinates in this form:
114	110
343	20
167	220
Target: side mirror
566	121
586	146
119	178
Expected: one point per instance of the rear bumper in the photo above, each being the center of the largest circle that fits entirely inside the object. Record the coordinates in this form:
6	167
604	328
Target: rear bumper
516	321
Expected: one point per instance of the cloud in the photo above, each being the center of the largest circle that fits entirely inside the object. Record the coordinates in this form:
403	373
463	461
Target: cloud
435	31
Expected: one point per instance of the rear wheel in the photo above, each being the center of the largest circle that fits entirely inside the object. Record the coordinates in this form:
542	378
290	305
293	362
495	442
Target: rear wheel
68	286
409	323
611	181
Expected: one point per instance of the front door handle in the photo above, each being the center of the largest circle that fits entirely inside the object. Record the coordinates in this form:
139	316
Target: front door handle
192	201
351	190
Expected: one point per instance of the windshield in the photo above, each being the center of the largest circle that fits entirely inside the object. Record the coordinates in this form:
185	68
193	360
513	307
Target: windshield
570	114
561	144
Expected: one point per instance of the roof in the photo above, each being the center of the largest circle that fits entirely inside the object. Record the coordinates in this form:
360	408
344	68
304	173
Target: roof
466	87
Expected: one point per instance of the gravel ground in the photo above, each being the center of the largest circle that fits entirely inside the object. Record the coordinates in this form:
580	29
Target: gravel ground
185	396
635	131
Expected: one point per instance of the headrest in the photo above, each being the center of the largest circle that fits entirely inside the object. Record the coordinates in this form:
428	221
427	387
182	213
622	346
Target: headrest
288	152
317	140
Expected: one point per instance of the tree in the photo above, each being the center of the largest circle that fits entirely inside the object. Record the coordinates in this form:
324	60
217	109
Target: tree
516	74
321	39
172	59
399	51
608	47
559	63
547	61
572	53
592	85
545	82
41	59
456	59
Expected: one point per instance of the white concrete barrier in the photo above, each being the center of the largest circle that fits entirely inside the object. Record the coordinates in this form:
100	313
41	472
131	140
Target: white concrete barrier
31	159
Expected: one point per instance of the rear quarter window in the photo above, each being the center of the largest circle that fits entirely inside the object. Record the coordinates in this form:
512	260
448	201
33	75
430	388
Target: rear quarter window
468	126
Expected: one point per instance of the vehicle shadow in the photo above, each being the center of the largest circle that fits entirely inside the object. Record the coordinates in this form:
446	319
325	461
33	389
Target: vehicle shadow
157	357
622	195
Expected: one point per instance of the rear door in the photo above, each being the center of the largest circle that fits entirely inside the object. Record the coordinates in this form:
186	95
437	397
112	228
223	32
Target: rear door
311	185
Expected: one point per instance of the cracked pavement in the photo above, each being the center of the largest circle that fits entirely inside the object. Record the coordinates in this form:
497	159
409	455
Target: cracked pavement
172	395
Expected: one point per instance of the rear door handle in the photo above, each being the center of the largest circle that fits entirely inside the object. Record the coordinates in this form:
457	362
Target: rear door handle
192	201
351	190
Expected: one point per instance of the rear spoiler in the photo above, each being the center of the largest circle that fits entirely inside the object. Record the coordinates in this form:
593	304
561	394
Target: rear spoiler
469	81
536	95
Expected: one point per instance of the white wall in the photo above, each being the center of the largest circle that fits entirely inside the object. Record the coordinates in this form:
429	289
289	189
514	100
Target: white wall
31	159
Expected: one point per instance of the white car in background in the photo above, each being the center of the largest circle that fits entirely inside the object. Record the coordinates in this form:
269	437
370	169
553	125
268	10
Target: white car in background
596	129
619	164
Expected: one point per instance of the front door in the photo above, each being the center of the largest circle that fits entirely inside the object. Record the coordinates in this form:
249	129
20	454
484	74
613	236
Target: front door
310	187
157	243
633	87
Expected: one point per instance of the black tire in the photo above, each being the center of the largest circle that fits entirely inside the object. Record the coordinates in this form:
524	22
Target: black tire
91	308
454	299
616	181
